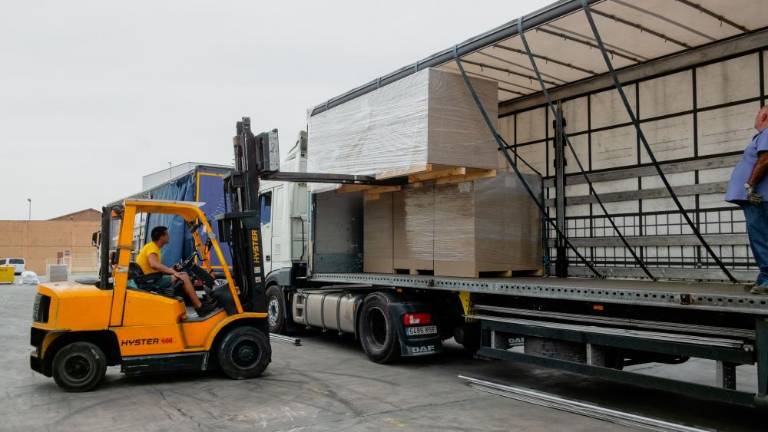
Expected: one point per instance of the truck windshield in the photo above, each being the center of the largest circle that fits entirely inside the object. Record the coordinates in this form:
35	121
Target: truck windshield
16	261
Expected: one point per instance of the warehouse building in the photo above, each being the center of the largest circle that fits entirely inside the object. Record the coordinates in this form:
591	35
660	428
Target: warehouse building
64	239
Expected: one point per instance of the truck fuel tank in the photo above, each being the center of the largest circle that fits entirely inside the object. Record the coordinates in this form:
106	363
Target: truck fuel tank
328	308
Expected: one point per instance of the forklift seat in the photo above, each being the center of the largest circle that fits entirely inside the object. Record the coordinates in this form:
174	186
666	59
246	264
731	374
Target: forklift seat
149	282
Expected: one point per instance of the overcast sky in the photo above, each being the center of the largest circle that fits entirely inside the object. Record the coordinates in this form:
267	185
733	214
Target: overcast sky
95	94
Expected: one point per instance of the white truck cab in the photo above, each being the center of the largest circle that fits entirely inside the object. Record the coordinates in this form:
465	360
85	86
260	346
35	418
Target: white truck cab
284	221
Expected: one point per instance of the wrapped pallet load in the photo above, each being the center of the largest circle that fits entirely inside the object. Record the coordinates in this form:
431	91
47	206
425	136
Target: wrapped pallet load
427	118
456	216
483	227
413	222
378	234
487	227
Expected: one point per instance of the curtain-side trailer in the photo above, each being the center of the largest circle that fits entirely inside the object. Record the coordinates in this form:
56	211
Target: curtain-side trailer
628	114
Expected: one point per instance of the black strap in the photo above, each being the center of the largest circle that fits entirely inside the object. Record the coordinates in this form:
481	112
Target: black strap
504	148
551	105
640	134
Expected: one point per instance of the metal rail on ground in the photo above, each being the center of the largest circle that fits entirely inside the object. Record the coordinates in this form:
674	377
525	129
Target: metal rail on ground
287	339
582	408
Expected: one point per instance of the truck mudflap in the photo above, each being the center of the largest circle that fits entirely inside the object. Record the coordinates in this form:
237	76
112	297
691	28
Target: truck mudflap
416	340
410	347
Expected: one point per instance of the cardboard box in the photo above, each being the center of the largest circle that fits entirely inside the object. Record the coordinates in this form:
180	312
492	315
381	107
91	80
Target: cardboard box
486	227
413	213
489	227
378	235
426	118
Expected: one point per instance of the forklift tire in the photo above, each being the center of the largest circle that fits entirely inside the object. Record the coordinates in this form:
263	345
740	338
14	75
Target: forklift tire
276	309
244	353
79	367
378	334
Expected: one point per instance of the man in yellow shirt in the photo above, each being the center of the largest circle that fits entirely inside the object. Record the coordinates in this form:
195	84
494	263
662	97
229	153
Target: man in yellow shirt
149	259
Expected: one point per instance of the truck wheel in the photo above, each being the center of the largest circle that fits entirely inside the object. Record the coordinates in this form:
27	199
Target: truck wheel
378	334
275	309
244	353
79	367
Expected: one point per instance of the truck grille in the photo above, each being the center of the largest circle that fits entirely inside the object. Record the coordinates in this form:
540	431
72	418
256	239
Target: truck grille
41	307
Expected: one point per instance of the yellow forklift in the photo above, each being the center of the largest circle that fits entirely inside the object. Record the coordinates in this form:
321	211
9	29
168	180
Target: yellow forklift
80	328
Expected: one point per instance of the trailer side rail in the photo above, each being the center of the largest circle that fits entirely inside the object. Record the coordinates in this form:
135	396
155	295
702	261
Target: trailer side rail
702	296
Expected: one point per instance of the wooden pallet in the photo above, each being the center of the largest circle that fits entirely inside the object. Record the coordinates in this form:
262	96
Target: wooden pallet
482	274
414	271
371	189
510	273
428	174
493	273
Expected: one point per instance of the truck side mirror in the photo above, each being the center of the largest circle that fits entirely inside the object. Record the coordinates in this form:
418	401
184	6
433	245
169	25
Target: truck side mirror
95	240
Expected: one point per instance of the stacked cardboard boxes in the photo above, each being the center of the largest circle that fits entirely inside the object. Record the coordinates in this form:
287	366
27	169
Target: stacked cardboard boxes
425	126
428	118
477	228
378	234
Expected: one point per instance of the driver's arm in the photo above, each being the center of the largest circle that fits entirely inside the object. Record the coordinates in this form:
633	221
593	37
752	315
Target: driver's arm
157	265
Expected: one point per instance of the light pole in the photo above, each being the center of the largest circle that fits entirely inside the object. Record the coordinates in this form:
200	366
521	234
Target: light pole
29	211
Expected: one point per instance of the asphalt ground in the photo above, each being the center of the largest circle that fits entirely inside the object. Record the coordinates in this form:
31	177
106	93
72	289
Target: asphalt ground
328	384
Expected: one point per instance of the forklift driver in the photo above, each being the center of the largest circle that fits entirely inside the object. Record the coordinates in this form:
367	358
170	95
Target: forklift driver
149	259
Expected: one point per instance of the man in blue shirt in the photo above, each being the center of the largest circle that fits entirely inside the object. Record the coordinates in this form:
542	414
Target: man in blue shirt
747	188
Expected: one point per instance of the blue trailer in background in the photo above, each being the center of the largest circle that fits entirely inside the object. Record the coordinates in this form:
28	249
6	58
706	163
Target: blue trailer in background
203	183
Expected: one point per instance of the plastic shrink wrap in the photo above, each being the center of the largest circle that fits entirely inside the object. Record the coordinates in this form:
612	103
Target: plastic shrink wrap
400	128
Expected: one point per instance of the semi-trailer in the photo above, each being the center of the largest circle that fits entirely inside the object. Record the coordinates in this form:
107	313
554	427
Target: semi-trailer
628	116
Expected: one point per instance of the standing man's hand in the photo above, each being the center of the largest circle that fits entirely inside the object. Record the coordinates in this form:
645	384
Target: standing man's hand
752	196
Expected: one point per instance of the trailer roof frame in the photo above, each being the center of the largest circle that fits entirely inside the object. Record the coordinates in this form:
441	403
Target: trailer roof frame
662	36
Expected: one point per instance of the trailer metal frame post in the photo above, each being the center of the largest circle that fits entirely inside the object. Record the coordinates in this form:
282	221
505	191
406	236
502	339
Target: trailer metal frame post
619	88
505	149
567	142
499	341
561	264
726	375
591	367
761	345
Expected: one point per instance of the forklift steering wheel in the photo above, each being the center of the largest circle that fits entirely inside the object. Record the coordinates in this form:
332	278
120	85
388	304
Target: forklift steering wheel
184	264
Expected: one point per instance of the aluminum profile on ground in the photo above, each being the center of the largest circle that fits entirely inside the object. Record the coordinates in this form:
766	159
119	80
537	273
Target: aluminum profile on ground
287	339
576	407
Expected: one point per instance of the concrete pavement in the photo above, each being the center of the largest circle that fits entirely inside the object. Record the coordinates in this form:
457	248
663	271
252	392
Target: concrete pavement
325	384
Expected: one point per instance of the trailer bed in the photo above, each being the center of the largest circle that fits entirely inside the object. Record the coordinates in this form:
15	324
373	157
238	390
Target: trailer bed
722	297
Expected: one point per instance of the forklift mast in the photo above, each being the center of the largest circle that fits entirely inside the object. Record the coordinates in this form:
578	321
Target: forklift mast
257	157
240	225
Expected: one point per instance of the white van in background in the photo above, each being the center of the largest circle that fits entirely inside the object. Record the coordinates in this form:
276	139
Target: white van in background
18	263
